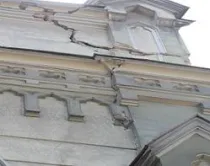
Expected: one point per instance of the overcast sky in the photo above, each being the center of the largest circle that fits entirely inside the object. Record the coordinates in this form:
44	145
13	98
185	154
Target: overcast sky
197	35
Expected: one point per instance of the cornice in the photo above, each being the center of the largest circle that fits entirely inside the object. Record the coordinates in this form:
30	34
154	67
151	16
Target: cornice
178	9
159	69
80	14
127	81
132	67
175	23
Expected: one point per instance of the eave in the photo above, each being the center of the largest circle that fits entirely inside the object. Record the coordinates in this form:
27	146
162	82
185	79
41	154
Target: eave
178	9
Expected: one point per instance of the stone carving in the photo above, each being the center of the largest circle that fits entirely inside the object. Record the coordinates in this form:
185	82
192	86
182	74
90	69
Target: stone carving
92	79
186	87
13	70
202	160
121	115
52	75
148	82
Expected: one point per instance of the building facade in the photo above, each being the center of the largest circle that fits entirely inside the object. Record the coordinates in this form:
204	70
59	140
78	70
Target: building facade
108	83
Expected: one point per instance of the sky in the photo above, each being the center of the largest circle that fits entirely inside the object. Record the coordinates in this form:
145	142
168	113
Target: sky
197	35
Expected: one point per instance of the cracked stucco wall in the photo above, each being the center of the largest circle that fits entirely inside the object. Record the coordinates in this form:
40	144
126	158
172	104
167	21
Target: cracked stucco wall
52	140
84	31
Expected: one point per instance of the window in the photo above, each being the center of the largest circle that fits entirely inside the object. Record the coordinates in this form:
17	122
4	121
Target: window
146	39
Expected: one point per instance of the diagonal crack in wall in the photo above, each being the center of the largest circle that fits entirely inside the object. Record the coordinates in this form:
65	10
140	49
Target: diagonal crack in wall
74	40
48	14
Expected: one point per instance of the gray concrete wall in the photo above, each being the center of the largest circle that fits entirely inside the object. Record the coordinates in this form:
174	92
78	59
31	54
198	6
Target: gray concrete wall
141	31
154	119
67	110
53	140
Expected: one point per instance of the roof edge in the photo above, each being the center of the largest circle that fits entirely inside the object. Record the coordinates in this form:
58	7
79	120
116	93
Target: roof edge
179	9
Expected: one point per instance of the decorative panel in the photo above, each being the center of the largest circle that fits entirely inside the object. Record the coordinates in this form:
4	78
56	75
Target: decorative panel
143	39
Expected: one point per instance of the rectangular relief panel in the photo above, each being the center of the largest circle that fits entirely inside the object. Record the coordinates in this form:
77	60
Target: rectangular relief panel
143	39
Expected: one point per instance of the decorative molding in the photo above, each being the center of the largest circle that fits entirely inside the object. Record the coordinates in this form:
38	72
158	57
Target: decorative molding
132	89
158	147
173	23
99	100
47	89
131	96
15	91
155	35
174	137
118	11
178	9
13	70
31	105
55	95
147	82
52	75
205	107
91	79
74	110
116	14
201	160
186	87
41	13
36	76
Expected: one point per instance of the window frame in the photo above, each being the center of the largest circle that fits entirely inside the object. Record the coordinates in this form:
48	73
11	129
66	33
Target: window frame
155	34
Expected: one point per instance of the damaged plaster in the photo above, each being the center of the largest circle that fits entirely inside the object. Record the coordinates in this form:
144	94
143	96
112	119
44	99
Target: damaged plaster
73	37
84	39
